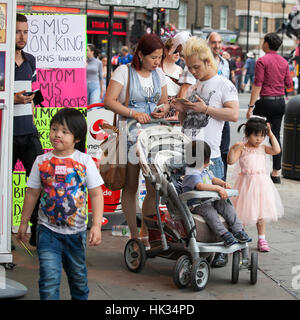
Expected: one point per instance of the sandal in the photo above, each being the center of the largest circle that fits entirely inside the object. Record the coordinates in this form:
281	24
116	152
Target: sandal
145	241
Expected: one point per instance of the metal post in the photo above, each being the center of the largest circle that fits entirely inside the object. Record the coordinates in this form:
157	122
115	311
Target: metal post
283	7
158	21
248	26
109	44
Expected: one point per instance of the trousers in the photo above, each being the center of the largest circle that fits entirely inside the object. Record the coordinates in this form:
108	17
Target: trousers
273	110
210	213
56	250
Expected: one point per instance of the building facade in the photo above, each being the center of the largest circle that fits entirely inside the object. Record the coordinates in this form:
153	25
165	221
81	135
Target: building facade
228	17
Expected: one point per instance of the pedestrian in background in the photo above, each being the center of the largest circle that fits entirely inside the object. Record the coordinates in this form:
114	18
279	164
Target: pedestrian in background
249	69
103	59
239	74
272	75
94	76
172	72
125	57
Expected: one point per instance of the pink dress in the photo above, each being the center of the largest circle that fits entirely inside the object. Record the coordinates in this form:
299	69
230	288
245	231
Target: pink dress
258	197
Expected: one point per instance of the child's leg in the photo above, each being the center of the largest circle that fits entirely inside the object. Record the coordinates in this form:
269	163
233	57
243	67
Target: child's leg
262	244
75	265
261	228
49	252
227	211
210	215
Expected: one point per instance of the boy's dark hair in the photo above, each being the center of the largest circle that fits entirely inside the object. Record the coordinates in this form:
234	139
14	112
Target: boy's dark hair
21	17
273	40
75	122
254	125
200	151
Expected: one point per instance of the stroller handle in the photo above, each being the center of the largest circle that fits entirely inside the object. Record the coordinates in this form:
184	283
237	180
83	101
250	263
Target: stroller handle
162	121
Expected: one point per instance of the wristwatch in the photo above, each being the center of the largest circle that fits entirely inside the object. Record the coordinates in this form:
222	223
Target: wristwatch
250	106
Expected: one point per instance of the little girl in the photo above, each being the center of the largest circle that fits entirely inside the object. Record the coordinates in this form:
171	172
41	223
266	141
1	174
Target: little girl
63	176
258	201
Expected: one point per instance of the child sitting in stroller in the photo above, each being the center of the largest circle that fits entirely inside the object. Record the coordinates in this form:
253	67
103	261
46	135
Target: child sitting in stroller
202	179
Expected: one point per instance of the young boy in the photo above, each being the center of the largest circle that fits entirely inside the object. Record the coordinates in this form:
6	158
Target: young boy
203	180
63	176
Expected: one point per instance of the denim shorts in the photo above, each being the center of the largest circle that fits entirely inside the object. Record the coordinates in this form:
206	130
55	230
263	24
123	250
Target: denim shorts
56	250
217	167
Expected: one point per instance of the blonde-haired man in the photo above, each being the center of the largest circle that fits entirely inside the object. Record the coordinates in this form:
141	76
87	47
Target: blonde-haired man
215	96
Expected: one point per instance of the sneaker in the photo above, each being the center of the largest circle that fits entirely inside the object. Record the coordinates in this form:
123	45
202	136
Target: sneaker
262	245
228	239
242	237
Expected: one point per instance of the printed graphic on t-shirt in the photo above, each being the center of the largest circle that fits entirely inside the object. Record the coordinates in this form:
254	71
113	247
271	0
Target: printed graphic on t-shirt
63	199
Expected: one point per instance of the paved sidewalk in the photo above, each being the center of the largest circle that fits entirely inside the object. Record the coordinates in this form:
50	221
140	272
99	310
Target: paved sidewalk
109	278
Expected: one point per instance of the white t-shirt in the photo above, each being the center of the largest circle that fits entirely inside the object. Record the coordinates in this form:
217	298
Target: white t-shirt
64	182
215	92
121	75
172	87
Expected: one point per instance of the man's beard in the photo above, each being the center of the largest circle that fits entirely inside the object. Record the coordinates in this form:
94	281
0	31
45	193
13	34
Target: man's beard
20	47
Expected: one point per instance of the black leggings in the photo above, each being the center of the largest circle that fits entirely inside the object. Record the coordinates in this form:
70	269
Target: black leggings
273	110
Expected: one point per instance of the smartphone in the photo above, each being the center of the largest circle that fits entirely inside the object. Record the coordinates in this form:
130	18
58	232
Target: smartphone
157	109
30	93
182	100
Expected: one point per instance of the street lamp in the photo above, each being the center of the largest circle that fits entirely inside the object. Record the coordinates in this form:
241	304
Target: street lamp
248	26
283	7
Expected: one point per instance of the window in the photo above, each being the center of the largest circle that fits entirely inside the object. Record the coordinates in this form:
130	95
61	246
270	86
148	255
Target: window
223	18
182	13
265	25
243	23
256	22
278	23
207	16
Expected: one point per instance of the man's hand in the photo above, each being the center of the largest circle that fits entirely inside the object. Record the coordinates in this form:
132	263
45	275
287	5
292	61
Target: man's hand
21	98
249	113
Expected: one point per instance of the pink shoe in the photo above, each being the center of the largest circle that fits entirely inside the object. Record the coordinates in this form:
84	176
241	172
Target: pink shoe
262	245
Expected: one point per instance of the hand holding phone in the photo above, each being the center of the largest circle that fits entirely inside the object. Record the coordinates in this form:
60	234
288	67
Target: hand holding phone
158	108
182	100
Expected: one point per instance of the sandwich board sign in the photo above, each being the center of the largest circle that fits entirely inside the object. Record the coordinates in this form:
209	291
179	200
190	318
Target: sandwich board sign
167	4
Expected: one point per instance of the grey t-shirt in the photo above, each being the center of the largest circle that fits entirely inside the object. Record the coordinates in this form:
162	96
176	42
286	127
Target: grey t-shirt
94	70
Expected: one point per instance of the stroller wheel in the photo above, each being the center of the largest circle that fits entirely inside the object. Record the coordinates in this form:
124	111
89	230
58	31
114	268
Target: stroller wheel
135	255
253	268
235	267
199	274
182	271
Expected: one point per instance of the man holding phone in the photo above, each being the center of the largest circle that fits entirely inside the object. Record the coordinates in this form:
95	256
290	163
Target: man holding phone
26	143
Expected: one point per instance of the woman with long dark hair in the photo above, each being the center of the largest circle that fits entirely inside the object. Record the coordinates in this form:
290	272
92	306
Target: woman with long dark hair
147	90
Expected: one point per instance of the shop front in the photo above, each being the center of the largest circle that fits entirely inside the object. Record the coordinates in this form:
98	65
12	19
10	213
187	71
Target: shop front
97	32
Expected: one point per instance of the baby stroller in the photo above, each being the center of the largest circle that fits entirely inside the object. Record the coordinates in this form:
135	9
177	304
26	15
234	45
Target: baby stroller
176	233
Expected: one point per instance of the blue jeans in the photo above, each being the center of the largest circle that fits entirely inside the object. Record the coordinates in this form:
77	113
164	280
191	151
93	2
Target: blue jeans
56	250
217	168
93	92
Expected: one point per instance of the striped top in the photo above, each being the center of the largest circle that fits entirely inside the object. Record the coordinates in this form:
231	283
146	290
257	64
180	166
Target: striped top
25	75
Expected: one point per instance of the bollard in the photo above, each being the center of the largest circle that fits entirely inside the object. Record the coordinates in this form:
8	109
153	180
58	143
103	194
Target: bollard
291	140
